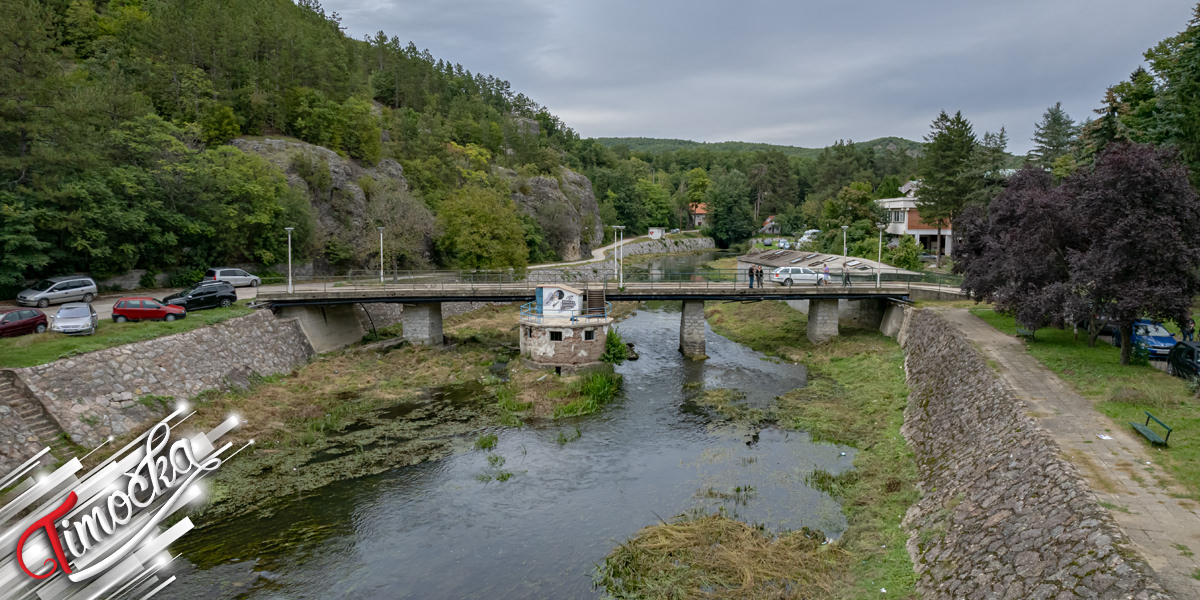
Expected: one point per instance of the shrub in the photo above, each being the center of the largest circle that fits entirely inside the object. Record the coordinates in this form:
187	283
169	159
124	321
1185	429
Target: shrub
615	351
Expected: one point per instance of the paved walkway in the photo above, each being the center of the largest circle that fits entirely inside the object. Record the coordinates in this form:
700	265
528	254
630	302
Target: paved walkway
1123	471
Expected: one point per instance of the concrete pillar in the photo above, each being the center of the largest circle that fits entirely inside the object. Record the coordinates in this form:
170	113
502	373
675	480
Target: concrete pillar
691	329
326	327
893	318
423	323
822	320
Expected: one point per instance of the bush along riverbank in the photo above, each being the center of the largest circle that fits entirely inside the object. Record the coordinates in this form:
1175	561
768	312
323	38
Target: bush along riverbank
856	395
364	411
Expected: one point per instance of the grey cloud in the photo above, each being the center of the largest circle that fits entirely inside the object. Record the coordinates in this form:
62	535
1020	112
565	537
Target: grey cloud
799	73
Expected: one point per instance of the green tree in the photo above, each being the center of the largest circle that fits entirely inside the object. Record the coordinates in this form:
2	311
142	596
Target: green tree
480	230
729	212
906	254
944	185
1053	137
219	125
657	202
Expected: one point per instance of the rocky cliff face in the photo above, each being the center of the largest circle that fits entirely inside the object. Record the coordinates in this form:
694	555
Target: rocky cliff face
565	207
348	201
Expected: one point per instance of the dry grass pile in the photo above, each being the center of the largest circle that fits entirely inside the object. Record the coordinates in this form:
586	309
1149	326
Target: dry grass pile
717	557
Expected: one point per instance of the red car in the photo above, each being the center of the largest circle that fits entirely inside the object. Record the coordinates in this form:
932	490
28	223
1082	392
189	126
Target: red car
145	309
22	321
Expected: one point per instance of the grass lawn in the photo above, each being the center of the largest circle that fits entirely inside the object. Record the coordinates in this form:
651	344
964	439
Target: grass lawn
36	349
1122	392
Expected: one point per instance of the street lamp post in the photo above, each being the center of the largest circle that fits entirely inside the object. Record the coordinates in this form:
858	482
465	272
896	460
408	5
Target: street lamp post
844	228
879	260
620	263
380	254
289	230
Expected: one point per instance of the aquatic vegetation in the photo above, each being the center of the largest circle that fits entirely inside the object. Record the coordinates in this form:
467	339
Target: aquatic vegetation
714	556
486	441
566	438
595	389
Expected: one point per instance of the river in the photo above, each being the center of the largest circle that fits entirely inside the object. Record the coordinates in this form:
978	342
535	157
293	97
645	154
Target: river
442	529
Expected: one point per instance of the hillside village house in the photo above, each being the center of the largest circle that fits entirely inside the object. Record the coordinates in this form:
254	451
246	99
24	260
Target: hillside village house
770	226
904	219
697	213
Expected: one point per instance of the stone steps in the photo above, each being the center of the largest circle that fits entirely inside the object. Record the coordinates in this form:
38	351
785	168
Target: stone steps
47	431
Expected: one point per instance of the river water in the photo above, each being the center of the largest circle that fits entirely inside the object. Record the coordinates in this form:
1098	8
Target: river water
443	529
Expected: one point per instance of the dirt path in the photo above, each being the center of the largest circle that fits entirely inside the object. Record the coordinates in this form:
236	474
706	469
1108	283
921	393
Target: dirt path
1123	471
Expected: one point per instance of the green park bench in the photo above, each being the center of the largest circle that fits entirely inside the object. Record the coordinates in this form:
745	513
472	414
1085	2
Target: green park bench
1149	433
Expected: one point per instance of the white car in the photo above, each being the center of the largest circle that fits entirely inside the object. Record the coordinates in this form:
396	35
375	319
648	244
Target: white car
235	277
75	318
794	275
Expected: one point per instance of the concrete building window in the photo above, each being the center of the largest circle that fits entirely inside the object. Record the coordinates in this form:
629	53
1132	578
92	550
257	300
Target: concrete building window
589	335
528	332
556	336
897	216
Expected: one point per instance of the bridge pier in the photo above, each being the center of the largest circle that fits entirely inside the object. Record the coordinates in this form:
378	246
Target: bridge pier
822	320
423	323
326	327
691	329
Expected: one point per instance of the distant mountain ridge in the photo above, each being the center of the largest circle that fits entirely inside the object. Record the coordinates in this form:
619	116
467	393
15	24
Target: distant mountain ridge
657	145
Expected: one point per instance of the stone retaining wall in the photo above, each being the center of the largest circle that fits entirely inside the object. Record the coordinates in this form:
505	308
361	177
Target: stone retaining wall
1002	515
102	393
607	269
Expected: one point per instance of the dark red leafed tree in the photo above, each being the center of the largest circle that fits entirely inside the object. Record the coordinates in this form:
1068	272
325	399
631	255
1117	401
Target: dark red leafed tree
1014	252
1141	224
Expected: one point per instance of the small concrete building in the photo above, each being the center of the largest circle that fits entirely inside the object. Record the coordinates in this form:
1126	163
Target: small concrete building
565	327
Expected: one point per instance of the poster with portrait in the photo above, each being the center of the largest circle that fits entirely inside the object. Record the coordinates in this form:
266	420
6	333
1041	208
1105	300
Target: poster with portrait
559	301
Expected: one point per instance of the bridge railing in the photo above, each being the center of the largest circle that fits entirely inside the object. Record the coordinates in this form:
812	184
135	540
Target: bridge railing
530	313
607	278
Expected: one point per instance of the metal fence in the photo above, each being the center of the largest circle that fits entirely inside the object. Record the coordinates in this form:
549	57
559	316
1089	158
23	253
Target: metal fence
606	278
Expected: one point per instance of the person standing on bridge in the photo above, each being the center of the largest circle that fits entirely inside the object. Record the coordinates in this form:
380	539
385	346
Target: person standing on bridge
750	272
845	276
760	277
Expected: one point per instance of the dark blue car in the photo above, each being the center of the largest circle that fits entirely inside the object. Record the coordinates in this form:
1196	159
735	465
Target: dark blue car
1152	336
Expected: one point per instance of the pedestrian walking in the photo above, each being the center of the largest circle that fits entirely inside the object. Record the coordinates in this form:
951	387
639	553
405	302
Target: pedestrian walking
1189	329
760	277
845	276
750	272
827	281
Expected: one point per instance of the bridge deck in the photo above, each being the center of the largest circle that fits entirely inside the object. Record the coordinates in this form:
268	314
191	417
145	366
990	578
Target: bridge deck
420	292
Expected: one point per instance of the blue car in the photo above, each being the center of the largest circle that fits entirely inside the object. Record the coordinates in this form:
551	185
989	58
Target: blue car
1152	336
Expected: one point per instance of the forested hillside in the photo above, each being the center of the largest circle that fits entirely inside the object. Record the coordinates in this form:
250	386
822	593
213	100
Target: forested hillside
115	118
657	145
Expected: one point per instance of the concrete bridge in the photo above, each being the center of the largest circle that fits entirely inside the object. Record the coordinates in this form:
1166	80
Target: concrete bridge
325	308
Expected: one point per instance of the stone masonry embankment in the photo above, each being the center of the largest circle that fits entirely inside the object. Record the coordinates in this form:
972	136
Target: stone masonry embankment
102	393
606	269
1002	514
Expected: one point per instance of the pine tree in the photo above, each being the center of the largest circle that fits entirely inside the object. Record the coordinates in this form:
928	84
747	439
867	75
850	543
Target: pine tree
1053	137
945	187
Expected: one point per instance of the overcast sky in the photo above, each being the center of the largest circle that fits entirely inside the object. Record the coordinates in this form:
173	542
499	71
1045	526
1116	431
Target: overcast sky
801	73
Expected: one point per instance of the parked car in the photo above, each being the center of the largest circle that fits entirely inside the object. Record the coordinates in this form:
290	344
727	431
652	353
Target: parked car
58	289
206	294
1184	360
236	277
676	230
785	245
1152	336
792	275
145	309
767	242
22	321
75	318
